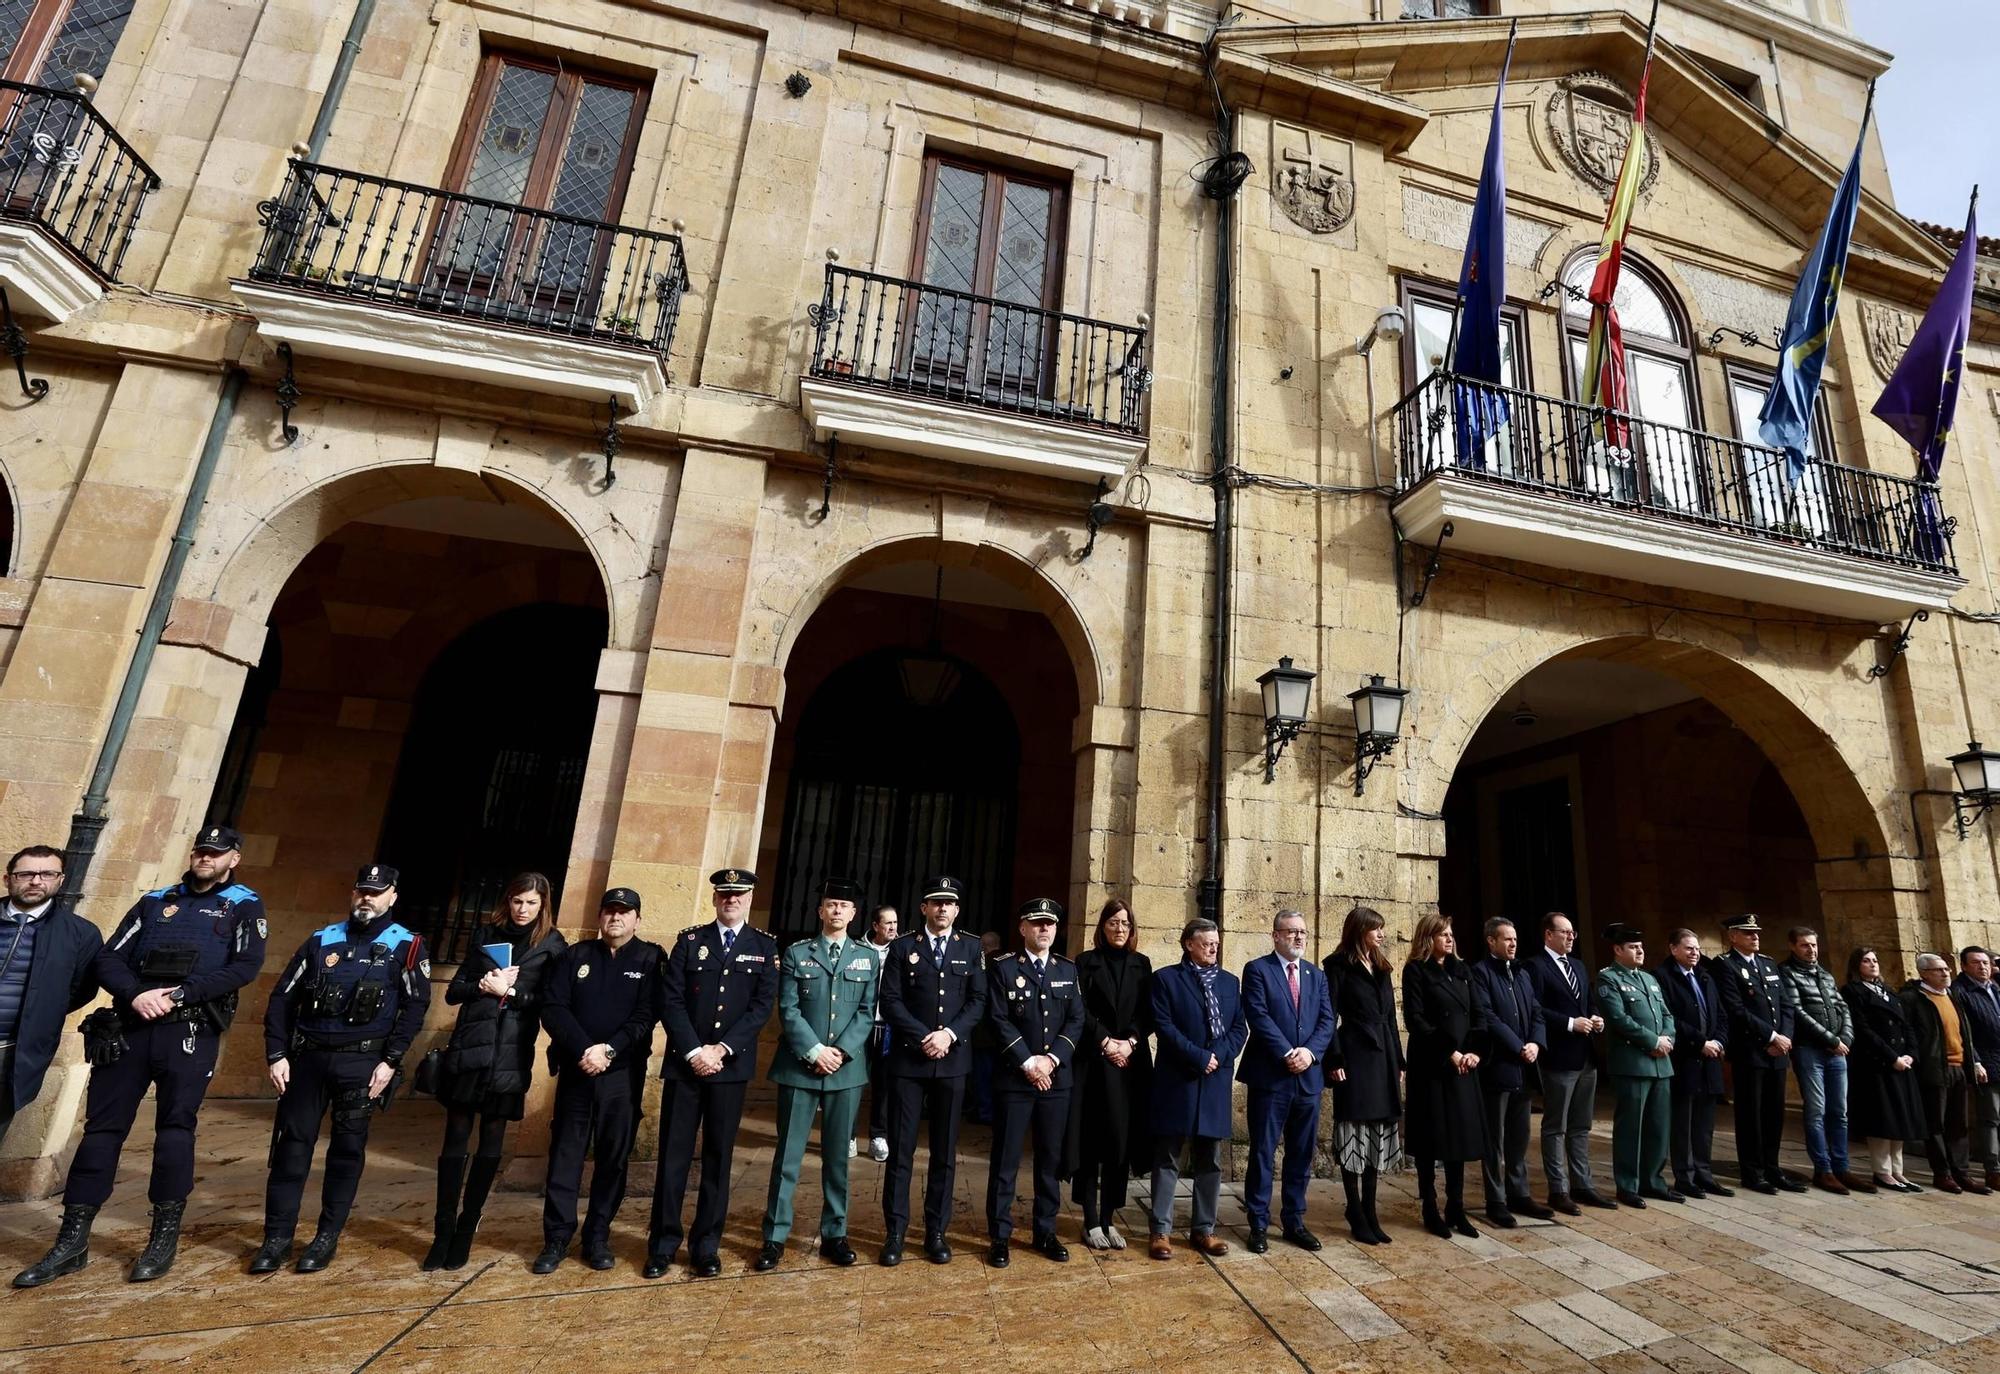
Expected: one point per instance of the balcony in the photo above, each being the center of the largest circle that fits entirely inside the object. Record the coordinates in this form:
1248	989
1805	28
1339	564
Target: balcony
382	272
1595	491
70	194
973	379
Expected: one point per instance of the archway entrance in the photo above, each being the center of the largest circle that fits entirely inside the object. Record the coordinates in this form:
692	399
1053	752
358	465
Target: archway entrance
927	730
1609	789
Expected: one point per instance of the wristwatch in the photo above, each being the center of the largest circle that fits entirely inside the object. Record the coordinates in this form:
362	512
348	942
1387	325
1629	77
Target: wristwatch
178	996
610	1054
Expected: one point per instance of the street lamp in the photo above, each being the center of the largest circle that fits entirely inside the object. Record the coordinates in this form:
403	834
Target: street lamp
1977	772
1286	690
1378	720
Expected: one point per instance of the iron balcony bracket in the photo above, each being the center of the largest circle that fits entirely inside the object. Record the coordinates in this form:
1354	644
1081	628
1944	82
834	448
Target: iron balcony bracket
1097	517
1430	574
610	447
288	398
1896	652
826	479
15	342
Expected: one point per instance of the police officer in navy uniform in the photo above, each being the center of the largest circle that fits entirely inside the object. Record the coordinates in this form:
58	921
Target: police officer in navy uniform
1036	1004
1761	1010
173	969
933	994
339	1023
718	987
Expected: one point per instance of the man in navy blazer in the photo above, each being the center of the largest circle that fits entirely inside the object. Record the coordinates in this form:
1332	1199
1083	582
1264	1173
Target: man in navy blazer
1515	1035
1198	1015
1291	1028
1568	1065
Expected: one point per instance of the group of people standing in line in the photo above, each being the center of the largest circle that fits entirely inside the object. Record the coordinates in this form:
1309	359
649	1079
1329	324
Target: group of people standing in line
1112	1068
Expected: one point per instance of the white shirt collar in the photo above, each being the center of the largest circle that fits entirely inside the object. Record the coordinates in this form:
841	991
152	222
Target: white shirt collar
31	913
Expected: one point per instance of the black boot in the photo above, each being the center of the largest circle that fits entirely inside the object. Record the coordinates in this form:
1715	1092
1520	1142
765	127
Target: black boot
451	1179
319	1251
1357	1222
478	1183
161	1247
273	1253
70	1252
1427	1194
1368	1207
1454	1201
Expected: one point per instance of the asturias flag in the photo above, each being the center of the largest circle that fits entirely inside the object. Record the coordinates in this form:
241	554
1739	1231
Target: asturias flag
1785	422
1482	288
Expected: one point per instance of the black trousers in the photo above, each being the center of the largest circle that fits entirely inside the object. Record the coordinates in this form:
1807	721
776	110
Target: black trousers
1015	1115
909	1098
1693	1135
716	1110
878	1082
1760	1118
320	1079
177	1060
1945	1118
599	1115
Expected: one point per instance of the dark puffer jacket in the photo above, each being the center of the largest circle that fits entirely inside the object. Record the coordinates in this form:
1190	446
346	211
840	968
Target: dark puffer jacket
492	1048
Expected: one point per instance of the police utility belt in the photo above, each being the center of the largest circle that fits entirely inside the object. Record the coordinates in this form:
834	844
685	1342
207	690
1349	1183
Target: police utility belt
308	1040
168	967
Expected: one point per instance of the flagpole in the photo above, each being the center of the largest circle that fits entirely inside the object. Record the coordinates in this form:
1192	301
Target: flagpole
1458	302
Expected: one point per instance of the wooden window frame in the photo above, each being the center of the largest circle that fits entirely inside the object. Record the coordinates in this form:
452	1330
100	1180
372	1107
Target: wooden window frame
1513	316
1738	370
545	168
45	21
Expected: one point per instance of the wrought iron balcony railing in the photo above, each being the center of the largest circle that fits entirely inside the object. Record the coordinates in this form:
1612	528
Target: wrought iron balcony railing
1562	449
63	167
894	335
390	243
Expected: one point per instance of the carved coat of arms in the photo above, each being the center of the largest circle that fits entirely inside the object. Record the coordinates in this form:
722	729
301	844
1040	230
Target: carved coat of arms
1314	184
1887	331
1590	123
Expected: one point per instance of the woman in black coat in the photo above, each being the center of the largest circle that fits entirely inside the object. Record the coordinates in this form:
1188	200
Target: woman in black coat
490	1057
1114	1069
1366	1064
1884	1105
1445	1122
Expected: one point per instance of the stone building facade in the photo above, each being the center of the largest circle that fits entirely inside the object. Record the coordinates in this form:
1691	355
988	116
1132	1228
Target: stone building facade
603	386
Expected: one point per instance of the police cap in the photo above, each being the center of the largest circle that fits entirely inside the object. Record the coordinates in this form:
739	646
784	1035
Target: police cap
1041	911
840	890
217	839
375	878
943	889
618	896
732	880
1746	922
1618	933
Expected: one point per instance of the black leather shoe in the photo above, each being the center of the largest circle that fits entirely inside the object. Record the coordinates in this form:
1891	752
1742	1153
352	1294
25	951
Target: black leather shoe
1590	1199
996	1254
837	1251
162	1245
708	1267
1786	1183
1304	1239
1259	1241
599	1257
656	1266
1051	1248
892	1252
1758	1185
551	1256
1663	1194
936	1249
70	1252
768	1257
1502	1218
1713	1189
1630	1199
1528	1207
272	1255
318	1252
1687	1187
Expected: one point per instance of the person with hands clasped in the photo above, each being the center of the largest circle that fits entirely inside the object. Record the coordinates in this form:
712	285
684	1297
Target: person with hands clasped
1701	1038
1640	1032
1446	1121
1291	1034
1114	1073
1762	1010
1568	1066
1198	1015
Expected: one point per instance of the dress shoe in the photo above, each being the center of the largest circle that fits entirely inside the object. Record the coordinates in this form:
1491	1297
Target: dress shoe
1455	1218
1993	1179
1209	1244
1048	1247
272	1255
1758	1185
599	1257
1304	1239
1714	1189
1787	1184
1259	1240
551	1256
1628	1198
1433	1222
1858	1183
936	1249
892	1252
837	1251
1663	1194
1501	1218
708	1267
1908	1187
1590	1198
1525	1206
319	1251
768	1257
1560	1202
996	1254
1827	1183
1968	1183
1160	1248
1687	1187
656	1266
1945	1183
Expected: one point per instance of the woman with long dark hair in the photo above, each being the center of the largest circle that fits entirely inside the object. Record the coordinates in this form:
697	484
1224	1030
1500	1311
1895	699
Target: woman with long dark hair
1366	1067
1885	1104
490	1057
1113	1072
1446	1122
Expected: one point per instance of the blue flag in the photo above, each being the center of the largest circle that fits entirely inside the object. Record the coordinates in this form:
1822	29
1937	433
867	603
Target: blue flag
1481	411
1786	419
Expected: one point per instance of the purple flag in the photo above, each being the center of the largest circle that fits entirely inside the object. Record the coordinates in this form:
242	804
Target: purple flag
1922	397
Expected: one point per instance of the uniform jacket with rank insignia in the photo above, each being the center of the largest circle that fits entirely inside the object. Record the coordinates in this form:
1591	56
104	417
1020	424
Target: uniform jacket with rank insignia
711	998
1760	1005
352	981
1635	1017
825	1001
920	996
1035	1016
211	943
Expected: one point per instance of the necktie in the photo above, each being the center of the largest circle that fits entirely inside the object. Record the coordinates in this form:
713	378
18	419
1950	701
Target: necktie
1292	977
1038	968
937	946
728	941
834	950
1695	983
1569	974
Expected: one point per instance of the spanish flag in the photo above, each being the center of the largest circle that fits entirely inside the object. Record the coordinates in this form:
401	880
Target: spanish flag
1604	366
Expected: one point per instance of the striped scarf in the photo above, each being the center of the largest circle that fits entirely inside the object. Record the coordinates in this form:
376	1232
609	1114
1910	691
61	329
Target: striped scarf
1207	977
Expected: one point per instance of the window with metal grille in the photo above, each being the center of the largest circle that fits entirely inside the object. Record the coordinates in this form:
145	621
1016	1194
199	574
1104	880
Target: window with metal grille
52	42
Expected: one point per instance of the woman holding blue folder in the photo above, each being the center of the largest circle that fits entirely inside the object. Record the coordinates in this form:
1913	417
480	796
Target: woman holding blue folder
490	1058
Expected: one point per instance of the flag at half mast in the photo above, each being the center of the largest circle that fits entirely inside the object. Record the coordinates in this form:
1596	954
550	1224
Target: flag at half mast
1604	362
1480	355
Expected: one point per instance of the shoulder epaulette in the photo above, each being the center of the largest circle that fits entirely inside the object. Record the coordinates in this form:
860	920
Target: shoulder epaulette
691	931
167	891
239	892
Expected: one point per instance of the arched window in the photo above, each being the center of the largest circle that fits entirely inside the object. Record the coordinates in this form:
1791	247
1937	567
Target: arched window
1659	373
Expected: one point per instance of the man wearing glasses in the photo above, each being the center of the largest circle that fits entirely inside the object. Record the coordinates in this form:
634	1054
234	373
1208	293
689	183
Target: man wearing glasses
47	959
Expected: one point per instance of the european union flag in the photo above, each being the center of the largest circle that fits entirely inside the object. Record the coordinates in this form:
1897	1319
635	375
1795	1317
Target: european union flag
1481	411
1786	419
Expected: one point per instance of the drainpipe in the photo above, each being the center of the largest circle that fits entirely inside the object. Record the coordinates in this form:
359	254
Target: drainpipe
87	825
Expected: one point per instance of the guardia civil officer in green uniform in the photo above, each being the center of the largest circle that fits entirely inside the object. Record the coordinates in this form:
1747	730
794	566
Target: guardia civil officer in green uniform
1640	1031
826	1012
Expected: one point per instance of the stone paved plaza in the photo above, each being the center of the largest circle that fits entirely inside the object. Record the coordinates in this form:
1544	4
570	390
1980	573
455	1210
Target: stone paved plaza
1760	1285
